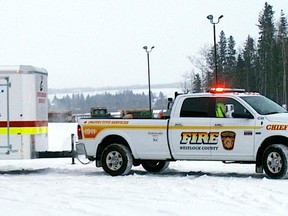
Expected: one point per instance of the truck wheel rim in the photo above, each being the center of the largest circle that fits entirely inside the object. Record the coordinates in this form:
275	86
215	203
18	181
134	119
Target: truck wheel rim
114	160
274	162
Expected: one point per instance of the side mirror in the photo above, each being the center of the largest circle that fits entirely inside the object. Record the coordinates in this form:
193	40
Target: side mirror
169	105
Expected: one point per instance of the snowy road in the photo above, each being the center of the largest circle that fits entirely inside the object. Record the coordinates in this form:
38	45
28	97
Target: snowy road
55	187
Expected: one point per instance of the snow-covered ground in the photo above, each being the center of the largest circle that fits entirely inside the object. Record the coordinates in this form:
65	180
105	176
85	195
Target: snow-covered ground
56	187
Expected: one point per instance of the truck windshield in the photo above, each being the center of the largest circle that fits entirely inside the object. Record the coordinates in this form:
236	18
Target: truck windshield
263	105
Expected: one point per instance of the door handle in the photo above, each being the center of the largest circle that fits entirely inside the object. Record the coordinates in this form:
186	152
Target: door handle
219	125
178	124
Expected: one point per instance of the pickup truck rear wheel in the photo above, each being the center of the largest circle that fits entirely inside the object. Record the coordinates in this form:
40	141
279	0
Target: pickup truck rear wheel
116	160
155	166
275	160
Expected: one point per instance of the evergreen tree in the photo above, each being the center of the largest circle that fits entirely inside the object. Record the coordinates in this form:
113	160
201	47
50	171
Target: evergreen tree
249	58
266	43
239	79
222	58
210	72
282	43
230	62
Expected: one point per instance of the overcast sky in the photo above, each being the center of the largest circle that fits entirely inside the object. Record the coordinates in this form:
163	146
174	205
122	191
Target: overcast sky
98	43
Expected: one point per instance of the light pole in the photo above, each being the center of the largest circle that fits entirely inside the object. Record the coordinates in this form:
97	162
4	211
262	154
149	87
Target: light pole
210	17
148	52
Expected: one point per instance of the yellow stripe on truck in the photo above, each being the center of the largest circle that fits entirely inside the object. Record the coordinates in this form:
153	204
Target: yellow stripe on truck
90	131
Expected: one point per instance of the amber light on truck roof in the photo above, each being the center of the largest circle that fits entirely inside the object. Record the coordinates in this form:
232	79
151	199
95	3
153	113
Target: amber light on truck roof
224	90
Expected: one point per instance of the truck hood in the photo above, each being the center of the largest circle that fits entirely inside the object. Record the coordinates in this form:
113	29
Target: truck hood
279	117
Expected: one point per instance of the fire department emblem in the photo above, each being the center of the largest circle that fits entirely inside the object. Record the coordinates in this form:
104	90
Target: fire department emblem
228	139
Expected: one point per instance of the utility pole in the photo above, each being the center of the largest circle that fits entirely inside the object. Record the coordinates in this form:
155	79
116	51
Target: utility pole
210	17
149	87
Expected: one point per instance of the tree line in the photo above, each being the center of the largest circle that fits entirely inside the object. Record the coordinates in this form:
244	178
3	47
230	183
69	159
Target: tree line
126	99
260	65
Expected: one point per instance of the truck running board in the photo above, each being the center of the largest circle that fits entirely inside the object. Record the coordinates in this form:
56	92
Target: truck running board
238	162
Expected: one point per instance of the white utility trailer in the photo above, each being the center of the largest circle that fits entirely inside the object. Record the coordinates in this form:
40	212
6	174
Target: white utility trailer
23	111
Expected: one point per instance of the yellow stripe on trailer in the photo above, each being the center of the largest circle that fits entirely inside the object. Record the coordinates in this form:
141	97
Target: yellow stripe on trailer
24	130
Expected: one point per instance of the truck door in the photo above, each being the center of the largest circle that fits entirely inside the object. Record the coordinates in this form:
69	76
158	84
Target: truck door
236	130
189	129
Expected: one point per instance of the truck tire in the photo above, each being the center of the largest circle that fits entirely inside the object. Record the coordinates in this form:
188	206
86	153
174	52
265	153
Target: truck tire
275	160
155	166
116	160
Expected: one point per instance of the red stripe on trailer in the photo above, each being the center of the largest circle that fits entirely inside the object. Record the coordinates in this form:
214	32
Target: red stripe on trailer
24	123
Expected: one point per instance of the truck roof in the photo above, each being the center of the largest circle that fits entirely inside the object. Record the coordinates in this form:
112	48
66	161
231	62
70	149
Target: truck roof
21	69
221	92
208	94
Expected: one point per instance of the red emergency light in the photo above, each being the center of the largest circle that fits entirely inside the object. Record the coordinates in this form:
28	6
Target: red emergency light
225	90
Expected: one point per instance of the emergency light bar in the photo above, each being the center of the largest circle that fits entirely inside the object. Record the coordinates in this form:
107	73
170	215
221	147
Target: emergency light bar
225	90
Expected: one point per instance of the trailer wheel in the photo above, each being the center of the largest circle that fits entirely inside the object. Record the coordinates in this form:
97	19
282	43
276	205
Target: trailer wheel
275	160
116	160
155	166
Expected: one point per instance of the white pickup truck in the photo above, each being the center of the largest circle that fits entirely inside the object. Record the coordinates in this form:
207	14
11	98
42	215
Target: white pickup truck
228	125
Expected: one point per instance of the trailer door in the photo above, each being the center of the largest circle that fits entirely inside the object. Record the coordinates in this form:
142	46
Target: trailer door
5	135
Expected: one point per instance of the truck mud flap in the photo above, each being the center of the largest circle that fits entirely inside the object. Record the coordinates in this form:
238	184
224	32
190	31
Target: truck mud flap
80	149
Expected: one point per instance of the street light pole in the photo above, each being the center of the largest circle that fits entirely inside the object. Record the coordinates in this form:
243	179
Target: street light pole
149	87
210	17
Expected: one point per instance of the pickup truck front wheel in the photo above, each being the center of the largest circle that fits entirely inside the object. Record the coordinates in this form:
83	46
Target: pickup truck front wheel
155	166
116	160
275	160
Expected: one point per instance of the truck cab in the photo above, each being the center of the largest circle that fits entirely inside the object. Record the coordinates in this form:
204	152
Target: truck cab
228	125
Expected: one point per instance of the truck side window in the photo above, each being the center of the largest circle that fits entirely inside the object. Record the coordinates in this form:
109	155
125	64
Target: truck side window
197	107
239	110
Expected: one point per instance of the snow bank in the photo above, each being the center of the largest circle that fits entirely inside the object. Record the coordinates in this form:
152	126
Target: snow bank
55	187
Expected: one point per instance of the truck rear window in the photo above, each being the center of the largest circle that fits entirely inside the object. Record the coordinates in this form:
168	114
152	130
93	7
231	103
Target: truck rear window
197	107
